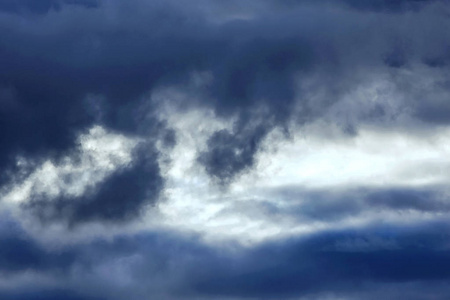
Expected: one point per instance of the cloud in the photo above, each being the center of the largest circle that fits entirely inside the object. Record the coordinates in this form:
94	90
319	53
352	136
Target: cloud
120	197
255	66
109	178
339	262
336	206
224	150
22	254
332	262
229	154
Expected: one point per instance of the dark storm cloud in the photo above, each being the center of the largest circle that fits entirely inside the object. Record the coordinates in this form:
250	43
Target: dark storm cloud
44	107
46	78
122	50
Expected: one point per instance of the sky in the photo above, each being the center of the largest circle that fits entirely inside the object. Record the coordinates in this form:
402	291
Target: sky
224	150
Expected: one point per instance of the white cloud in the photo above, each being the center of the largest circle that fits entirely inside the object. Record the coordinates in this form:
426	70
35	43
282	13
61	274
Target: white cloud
98	155
375	158
372	158
317	157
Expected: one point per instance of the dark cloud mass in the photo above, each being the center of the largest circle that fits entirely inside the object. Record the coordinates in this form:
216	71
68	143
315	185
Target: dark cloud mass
67	66
230	153
254	65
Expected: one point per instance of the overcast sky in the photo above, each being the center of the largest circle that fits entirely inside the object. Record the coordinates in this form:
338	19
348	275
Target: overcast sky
224	149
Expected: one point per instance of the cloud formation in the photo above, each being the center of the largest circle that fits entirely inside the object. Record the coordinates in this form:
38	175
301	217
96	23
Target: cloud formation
198	149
